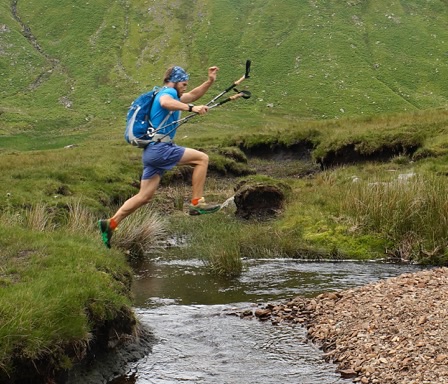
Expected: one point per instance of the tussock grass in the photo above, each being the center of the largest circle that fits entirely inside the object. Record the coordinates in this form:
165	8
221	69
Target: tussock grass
80	219
39	218
225	261
213	239
267	240
411	211
140	233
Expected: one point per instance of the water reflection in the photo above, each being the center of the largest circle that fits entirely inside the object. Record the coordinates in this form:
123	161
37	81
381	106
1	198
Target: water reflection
188	282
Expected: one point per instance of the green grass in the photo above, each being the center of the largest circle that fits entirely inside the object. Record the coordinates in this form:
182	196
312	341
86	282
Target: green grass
56	287
409	209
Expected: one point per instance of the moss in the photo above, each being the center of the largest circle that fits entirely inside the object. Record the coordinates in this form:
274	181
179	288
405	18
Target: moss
339	240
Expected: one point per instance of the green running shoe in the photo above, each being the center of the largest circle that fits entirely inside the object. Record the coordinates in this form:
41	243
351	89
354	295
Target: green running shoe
106	231
202	208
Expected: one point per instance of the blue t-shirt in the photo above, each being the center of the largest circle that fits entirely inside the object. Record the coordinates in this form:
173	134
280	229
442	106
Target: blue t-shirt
158	114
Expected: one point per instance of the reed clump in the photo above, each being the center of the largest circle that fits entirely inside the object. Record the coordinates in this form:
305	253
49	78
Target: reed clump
215	242
140	233
411	211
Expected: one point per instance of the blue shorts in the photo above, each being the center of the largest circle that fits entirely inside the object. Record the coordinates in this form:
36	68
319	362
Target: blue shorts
160	157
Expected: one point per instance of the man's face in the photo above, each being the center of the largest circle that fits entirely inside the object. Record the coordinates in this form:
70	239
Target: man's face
181	87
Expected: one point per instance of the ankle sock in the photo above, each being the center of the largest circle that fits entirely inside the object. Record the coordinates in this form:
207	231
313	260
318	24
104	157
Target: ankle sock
113	224
195	201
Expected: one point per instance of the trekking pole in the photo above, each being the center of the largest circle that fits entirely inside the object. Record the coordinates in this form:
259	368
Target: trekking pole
236	83
210	104
243	94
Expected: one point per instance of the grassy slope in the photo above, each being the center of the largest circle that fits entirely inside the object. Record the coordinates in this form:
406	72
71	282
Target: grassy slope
55	291
310	60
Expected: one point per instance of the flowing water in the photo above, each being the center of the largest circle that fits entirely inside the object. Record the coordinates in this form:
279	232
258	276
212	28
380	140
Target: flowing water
199	339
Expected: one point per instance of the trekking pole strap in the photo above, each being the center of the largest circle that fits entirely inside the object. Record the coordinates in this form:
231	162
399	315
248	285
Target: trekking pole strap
161	138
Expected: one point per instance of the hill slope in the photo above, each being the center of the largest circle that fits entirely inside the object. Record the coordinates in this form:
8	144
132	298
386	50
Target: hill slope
64	68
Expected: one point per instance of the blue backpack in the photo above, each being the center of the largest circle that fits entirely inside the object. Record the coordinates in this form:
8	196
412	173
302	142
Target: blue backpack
139	130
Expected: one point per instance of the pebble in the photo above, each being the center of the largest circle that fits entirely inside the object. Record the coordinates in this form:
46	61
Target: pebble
389	332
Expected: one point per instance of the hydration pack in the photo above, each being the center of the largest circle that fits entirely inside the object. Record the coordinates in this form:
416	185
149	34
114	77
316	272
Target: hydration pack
139	130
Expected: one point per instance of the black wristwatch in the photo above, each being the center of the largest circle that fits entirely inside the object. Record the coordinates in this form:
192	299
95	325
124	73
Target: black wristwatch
190	107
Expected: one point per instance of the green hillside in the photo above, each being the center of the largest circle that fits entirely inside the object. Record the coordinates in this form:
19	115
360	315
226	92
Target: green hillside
67	67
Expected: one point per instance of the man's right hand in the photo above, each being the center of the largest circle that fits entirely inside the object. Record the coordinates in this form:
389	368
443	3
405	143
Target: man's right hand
200	109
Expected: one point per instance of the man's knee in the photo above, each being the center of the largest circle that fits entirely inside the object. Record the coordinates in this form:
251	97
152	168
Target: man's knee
147	189
204	158
201	158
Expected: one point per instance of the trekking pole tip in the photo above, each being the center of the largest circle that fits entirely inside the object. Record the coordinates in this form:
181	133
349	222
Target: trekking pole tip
247	74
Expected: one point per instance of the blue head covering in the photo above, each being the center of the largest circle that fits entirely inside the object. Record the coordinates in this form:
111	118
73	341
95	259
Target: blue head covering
178	74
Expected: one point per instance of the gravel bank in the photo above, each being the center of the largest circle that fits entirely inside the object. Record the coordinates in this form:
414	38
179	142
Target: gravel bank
392	331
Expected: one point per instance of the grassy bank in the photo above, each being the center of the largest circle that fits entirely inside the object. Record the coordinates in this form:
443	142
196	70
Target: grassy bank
63	294
60	294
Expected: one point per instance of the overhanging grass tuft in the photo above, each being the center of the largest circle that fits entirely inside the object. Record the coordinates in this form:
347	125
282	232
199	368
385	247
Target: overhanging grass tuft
52	285
139	233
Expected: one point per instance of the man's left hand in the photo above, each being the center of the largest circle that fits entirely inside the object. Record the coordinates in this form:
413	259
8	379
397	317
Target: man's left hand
212	72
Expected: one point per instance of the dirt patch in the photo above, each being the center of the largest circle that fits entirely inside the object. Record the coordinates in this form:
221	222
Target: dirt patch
350	154
279	152
258	200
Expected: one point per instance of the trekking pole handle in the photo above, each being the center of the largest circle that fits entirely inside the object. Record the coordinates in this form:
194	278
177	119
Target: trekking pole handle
238	82
244	94
234	97
246	74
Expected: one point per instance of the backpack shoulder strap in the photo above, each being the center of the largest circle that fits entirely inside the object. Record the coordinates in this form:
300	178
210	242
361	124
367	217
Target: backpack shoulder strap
155	91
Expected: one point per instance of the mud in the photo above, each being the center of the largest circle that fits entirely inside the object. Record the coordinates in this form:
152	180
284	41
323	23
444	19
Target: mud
107	365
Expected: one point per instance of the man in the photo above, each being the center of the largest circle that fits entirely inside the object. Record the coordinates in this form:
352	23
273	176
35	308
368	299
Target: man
162	154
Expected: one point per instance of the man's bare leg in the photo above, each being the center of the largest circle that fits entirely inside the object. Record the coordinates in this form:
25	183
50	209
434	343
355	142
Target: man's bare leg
200	162
147	190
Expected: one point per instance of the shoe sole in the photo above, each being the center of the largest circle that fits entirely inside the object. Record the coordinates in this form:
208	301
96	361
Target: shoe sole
199	211
104	234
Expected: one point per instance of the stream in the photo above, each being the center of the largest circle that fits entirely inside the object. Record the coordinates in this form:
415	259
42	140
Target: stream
198	337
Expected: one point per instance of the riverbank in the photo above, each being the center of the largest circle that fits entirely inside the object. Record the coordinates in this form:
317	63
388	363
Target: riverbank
61	288
63	299
104	367
390	332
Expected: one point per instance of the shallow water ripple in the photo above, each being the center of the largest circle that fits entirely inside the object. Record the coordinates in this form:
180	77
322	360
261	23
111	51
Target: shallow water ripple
203	344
